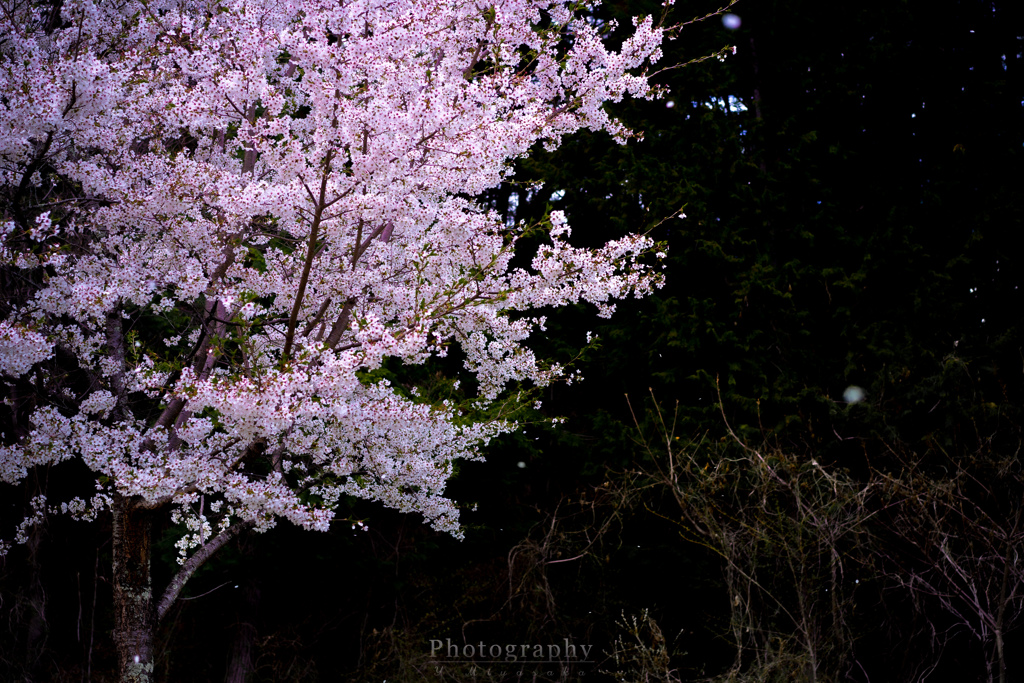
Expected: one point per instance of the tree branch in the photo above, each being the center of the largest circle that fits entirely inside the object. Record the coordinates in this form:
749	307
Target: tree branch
193	563
314	231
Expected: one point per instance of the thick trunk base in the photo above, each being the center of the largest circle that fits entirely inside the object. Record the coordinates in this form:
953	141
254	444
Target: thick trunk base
134	612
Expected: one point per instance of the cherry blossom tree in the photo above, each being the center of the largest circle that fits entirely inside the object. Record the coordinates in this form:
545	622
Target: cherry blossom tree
223	216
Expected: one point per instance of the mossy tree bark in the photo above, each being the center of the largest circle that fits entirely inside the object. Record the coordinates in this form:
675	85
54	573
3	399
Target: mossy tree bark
134	611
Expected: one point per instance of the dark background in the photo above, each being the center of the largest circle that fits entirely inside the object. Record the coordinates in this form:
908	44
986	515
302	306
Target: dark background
850	220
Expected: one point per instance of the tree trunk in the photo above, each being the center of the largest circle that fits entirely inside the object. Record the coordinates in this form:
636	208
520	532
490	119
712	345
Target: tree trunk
36	635
134	612
240	664
1000	657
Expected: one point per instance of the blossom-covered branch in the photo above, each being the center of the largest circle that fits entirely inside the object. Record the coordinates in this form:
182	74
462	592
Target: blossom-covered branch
252	205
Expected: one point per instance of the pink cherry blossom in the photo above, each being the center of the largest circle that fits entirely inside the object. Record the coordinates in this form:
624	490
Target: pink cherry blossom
287	185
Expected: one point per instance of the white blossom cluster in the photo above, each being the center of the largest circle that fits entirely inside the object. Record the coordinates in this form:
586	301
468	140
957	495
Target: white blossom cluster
84	510
38	505
21	348
293	177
